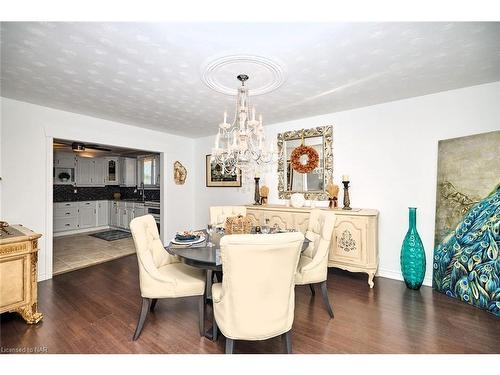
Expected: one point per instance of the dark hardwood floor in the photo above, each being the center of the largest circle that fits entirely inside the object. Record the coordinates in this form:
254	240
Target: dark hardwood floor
94	310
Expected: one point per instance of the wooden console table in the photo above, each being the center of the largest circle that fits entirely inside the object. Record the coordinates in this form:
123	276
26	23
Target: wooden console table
355	239
18	272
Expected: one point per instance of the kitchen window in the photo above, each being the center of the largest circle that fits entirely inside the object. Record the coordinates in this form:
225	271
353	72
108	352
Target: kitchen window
149	170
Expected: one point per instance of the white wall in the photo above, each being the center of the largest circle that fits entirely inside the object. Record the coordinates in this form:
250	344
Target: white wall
26	134
390	153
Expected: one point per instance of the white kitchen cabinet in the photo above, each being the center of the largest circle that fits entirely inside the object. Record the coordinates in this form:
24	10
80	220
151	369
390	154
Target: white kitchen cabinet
102	213
128	172
84	171
111	171
89	171
87	214
139	210
98	179
113	214
64	160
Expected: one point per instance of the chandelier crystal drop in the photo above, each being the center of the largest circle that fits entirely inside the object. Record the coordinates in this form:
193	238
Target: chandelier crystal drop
242	144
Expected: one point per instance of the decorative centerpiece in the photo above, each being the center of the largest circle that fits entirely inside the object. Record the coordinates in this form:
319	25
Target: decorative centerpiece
413	254
333	193
297	200
238	225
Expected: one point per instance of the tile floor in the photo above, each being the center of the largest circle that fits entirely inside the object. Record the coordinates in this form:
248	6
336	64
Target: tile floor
81	250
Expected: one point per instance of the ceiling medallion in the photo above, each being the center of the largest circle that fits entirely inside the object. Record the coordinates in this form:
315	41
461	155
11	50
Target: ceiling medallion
257	66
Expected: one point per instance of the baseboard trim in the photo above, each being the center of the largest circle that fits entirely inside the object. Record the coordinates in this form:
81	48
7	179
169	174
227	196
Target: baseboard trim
80	231
396	275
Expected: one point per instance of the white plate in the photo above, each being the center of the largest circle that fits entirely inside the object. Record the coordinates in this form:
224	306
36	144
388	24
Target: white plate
201	239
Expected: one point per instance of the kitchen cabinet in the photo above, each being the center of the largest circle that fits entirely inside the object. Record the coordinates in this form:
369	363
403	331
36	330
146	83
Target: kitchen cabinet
87	214
89	171
102	213
128	171
113	214
111	171
64	160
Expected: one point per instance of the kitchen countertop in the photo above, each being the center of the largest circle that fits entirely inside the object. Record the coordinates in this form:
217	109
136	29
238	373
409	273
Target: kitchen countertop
98	199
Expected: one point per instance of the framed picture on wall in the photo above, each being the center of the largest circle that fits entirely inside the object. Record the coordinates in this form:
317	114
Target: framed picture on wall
215	177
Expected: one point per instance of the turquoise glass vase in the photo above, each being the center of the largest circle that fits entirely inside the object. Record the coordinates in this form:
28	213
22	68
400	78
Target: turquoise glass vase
413	254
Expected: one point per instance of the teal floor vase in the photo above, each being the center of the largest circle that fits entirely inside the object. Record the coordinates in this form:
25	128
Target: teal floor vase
413	254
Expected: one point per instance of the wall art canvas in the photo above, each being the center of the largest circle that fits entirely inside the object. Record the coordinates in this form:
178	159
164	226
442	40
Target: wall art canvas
216	177
466	262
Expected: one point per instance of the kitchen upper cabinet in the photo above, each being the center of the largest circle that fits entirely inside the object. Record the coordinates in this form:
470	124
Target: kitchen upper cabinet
87	214
111	171
89	172
102	213
84	171
64	160
128	172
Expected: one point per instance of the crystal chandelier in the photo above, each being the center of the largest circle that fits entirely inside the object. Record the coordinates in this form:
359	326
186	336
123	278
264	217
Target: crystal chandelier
242	144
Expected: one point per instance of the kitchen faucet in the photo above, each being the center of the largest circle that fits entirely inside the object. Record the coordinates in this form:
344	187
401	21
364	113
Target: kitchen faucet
142	191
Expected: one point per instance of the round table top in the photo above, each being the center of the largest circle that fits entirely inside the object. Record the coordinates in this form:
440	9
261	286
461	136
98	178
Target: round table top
202	256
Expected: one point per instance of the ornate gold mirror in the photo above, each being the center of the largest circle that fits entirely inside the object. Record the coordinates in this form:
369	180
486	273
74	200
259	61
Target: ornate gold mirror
318	143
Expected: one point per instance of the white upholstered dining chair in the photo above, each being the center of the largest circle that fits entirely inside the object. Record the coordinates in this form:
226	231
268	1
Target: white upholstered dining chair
162	275
219	214
313	263
256	299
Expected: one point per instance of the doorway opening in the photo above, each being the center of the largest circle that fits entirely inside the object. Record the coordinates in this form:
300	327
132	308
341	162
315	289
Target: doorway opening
97	191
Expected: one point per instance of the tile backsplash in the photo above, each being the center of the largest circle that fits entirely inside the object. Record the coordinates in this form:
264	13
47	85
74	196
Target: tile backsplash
66	193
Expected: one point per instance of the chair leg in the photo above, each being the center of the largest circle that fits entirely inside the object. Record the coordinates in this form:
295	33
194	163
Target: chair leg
229	346
287	342
324	293
201	314
146	303
215	330
311	286
153	304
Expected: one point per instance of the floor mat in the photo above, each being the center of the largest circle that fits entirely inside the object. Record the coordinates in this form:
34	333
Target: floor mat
111	235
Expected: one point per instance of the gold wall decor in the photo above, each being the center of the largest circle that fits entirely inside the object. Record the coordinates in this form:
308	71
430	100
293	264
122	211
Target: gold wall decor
312	184
180	173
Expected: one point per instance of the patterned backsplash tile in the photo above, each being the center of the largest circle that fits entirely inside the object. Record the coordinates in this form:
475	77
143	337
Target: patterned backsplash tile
66	193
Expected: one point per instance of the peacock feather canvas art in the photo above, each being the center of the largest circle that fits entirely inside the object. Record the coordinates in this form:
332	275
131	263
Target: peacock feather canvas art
466	262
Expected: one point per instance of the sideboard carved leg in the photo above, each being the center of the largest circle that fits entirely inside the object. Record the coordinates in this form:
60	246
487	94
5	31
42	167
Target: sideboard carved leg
30	313
371	275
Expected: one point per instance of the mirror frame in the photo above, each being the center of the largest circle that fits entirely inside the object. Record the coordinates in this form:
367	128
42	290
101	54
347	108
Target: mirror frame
321	131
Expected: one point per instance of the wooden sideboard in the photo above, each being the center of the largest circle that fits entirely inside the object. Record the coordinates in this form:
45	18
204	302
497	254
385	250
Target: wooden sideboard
18	272
355	238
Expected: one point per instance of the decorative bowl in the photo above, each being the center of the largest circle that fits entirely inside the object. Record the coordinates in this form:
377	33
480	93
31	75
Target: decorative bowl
297	200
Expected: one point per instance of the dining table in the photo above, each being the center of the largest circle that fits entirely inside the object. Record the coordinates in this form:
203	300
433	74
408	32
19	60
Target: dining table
204	256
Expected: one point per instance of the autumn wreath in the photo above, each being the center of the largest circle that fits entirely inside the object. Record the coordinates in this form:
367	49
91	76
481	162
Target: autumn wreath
312	159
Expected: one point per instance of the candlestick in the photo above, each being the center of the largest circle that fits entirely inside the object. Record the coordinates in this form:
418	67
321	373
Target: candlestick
257	192
225	117
347	202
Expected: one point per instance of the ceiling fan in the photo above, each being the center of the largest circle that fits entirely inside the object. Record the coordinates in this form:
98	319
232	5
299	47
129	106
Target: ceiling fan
79	146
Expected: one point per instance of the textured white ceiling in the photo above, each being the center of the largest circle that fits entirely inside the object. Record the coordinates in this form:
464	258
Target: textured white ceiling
149	74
